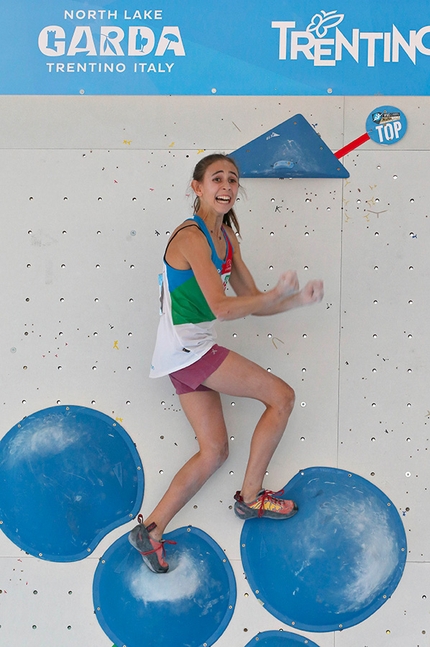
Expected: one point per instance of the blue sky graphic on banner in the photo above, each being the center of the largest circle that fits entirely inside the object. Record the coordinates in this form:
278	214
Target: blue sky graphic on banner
245	47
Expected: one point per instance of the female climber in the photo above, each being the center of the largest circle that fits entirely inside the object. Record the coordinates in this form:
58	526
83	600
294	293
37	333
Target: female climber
202	256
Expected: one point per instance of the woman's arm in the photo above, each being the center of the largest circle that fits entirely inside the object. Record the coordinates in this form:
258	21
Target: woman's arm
243	283
192	246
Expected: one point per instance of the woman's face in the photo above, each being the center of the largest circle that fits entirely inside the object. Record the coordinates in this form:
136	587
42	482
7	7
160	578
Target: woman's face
218	189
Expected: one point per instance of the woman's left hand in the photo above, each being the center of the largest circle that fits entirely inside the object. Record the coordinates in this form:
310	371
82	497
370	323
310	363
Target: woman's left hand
312	292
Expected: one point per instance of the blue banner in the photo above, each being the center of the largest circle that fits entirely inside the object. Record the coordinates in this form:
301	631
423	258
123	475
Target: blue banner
240	47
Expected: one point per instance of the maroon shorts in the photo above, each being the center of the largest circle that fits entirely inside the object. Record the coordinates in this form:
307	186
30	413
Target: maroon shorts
190	378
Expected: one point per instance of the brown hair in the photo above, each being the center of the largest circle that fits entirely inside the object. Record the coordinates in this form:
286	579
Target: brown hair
230	218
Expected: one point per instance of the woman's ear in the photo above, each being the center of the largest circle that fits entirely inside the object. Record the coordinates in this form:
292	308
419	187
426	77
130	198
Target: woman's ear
195	185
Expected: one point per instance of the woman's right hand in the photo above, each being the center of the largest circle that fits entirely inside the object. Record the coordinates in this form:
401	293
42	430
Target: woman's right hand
288	284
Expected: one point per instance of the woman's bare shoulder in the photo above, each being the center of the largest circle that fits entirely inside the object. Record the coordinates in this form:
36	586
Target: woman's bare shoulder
187	227
185	240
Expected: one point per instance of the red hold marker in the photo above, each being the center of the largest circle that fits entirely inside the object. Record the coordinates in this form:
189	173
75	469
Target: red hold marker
354	144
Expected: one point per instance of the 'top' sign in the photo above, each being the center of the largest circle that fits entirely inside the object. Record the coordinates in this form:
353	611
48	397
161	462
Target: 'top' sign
386	125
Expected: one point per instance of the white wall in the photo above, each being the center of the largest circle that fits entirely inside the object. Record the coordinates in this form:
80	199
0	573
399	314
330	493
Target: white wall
100	181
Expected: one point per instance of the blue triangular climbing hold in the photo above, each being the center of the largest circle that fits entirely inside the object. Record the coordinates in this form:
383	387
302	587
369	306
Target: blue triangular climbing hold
292	149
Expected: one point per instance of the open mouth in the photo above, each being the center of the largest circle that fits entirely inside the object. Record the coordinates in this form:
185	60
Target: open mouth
224	199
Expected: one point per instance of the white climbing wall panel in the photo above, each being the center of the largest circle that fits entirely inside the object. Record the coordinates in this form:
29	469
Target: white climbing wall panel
91	188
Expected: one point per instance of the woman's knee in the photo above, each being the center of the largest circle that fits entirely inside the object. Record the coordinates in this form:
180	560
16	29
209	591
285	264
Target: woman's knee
215	456
222	454
283	398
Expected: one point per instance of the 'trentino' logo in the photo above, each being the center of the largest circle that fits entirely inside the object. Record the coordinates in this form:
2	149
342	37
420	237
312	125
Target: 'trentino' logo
375	46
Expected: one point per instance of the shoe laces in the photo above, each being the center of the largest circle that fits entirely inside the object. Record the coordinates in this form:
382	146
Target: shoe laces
157	548
160	543
265	495
269	495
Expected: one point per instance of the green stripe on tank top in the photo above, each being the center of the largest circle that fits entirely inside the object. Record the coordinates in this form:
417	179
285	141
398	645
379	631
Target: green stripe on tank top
189	304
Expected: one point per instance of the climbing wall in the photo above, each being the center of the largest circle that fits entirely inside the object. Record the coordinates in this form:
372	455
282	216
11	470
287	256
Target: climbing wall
91	189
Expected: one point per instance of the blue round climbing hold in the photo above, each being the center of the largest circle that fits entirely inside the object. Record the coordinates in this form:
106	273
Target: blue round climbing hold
280	639
191	604
68	476
334	563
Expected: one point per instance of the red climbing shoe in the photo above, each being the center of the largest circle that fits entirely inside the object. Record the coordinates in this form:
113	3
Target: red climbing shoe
265	505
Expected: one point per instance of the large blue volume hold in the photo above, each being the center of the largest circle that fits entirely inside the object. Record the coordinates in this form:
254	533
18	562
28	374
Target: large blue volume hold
190	605
292	149
280	639
68	476
336	561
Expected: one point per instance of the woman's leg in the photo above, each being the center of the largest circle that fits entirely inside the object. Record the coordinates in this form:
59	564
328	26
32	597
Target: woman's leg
204	412
238	376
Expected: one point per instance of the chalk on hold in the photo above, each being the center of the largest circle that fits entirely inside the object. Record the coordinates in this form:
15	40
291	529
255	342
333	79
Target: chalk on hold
342	555
191	604
68	476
